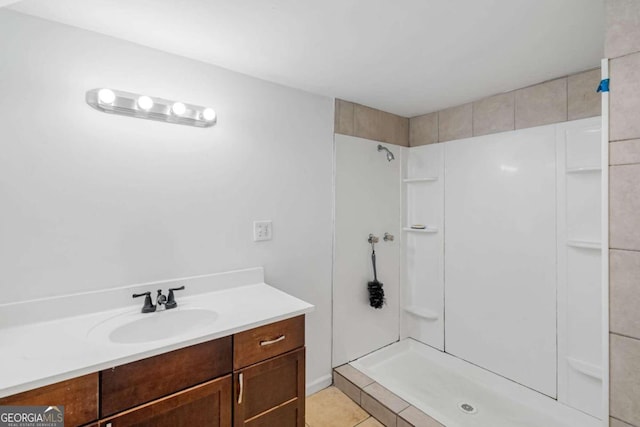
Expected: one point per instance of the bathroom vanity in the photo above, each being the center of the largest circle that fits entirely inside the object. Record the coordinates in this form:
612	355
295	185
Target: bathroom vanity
253	375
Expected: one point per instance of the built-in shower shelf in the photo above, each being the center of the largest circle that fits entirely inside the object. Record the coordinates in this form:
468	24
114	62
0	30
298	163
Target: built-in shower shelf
584	244
584	170
417	180
586	368
424	313
420	230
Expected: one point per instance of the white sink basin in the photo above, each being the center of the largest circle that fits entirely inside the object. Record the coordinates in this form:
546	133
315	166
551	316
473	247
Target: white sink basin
136	328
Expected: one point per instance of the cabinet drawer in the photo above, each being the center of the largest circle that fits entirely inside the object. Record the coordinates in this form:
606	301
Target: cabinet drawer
207	404
78	395
267	341
129	385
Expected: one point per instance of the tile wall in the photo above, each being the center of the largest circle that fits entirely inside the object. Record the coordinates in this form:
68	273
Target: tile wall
568	98
364	122
622	47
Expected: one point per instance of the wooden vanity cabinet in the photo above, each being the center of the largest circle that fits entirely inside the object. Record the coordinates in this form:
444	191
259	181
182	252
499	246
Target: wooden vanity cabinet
269	375
253	378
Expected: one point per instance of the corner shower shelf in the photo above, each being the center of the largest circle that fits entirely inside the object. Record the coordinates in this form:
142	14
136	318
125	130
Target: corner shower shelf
416	180
585	169
425	313
584	244
420	230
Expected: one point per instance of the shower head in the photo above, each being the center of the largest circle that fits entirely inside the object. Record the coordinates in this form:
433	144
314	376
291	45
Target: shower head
390	155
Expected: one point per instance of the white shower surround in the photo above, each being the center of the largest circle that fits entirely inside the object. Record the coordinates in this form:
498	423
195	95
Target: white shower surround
537	319
422	308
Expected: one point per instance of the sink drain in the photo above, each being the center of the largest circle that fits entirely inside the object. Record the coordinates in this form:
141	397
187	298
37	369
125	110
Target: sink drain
467	408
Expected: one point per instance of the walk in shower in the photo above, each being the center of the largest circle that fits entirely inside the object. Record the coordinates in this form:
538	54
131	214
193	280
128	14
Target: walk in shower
494	304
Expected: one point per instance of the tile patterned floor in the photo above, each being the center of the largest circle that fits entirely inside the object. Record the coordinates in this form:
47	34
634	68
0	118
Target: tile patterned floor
332	408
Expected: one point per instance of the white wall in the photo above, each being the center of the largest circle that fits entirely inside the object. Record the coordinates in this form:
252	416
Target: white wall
367	201
92	200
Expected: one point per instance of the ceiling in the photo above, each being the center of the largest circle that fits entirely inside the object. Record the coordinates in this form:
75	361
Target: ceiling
407	57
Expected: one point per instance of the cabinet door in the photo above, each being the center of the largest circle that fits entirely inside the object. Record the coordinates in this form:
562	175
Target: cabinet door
271	393
207	405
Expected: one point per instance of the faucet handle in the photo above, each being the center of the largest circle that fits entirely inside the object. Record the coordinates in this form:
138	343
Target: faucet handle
148	306
171	299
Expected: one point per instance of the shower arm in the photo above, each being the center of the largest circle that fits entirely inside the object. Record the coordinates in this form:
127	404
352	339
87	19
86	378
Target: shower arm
390	155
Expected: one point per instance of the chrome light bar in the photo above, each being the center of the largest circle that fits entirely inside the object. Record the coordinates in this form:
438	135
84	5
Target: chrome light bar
146	107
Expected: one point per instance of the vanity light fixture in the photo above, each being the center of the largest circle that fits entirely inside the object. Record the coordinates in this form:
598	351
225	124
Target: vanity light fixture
147	107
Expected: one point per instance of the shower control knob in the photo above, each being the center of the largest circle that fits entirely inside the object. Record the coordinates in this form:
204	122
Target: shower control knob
388	237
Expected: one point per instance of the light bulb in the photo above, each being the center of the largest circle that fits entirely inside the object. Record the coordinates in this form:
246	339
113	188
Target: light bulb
208	114
145	103
178	108
106	96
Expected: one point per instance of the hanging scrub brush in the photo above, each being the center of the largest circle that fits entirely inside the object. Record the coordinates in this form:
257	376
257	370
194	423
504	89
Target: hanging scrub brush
376	293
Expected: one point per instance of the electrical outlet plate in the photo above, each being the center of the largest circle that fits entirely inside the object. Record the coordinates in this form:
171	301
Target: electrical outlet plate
262	230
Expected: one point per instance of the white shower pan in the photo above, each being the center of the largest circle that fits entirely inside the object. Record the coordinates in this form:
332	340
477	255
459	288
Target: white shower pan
459	394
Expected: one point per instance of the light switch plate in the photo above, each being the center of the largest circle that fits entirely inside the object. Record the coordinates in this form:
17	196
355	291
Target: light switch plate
262	230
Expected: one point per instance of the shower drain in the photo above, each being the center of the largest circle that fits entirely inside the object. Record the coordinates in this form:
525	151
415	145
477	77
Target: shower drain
467	408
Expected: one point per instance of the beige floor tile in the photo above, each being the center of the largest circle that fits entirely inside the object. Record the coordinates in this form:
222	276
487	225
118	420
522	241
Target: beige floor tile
332	408
370	422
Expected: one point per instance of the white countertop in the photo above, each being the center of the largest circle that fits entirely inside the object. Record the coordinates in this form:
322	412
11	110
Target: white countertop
38	354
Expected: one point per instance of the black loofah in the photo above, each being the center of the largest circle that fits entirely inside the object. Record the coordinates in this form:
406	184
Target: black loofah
376	293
